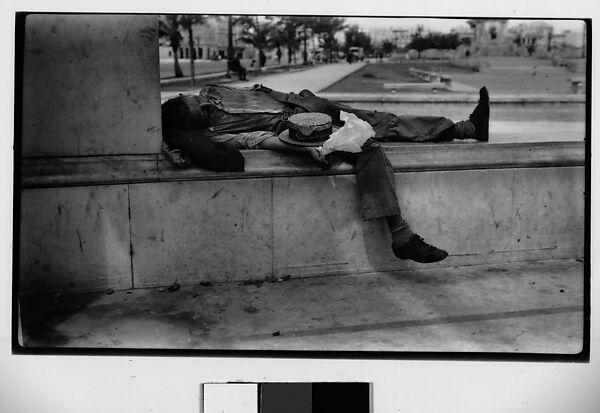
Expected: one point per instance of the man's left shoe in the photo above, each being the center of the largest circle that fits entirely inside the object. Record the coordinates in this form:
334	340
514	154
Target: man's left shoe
481	116
418	250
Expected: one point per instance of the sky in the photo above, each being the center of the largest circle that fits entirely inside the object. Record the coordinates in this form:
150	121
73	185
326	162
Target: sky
444	25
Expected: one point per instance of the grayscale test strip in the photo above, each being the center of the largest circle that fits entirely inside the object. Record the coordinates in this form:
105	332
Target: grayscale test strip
301	397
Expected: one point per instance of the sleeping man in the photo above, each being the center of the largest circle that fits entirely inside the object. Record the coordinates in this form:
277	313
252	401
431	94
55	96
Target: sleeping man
211	127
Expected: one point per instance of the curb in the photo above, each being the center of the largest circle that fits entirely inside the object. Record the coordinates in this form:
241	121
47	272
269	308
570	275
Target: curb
452	98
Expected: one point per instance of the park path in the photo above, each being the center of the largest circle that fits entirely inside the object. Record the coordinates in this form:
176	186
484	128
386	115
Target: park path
314	79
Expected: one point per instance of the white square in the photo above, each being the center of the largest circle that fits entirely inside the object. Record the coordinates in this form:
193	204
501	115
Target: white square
230	398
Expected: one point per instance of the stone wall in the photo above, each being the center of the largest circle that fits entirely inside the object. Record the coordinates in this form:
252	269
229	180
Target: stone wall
90	85
284	217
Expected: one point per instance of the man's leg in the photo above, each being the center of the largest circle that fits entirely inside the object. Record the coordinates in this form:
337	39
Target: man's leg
411	128
377	191
404	128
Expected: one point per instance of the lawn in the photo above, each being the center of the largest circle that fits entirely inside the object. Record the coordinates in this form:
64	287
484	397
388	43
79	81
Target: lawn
370	79
505	75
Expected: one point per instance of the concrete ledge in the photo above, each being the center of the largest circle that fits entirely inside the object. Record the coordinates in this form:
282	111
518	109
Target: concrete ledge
105	170
415	86
454	98
121	222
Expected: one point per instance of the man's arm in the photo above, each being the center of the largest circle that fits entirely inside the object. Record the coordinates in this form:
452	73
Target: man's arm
275	144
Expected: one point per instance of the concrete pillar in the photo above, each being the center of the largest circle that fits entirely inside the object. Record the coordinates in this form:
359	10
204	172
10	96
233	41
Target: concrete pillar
91	85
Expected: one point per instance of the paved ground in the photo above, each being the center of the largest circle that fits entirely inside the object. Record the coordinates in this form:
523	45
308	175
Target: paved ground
167	66
315	78
517	307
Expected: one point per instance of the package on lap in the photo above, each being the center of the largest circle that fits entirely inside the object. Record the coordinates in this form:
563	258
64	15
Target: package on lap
350	137
315	129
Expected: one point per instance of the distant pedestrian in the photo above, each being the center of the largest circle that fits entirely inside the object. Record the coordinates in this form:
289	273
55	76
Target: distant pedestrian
262	58
236	66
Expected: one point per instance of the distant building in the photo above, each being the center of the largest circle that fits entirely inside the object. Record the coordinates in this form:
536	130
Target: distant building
532	38
465	34
379	34
401	38
210	41
490	37
569	43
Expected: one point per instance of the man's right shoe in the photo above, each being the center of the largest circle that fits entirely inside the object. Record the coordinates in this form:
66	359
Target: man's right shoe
481	116
418	250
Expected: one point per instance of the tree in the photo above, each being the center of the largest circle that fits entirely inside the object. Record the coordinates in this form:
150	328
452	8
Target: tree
259	34
168	27
433	41
417	41
354	37
388	46
326	28
187	22
297	30
443	41
287	29
229	43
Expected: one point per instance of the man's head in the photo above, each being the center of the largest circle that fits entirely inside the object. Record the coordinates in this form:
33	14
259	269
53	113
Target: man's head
185	112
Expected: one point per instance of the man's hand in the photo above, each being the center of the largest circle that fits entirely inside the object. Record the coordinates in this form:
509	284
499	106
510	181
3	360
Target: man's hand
274	144
317	155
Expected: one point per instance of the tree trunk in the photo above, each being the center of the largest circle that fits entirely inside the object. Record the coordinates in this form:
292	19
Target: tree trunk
305	53
192	52
258	47
178	72
229	44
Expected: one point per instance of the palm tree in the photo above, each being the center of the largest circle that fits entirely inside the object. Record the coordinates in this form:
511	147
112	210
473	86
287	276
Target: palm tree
168	27
326	28
288	27
187	22
258	34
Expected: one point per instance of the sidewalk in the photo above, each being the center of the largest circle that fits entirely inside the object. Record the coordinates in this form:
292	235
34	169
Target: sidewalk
315	79
516	307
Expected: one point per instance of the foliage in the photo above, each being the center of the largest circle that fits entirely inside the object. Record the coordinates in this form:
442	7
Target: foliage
387	46
287	28
354	37
187	22
168	28
442	41
325	28
261	35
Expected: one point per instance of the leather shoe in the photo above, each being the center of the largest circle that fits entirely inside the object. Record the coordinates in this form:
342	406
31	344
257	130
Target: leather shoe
481	116
418	250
